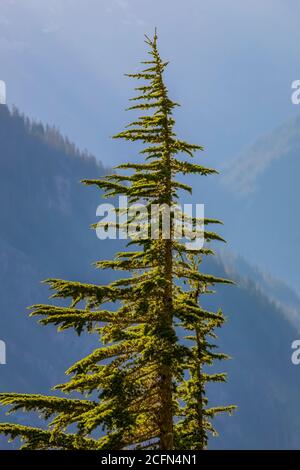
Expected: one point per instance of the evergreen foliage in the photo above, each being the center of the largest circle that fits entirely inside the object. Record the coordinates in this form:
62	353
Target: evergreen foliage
144	387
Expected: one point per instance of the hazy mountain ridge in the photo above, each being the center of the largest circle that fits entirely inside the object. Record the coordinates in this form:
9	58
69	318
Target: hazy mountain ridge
275	289
242	174
257	197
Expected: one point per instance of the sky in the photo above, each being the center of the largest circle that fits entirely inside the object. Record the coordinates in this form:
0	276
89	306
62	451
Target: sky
231	66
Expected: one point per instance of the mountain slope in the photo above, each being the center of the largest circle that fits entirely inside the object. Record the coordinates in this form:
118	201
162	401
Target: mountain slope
261	193
262	380
45	215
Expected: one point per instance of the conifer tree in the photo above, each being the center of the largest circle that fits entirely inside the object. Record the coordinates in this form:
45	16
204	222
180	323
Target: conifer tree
192	430
144	387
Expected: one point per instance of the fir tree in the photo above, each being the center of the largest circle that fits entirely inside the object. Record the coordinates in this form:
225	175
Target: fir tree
144	387
192	430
